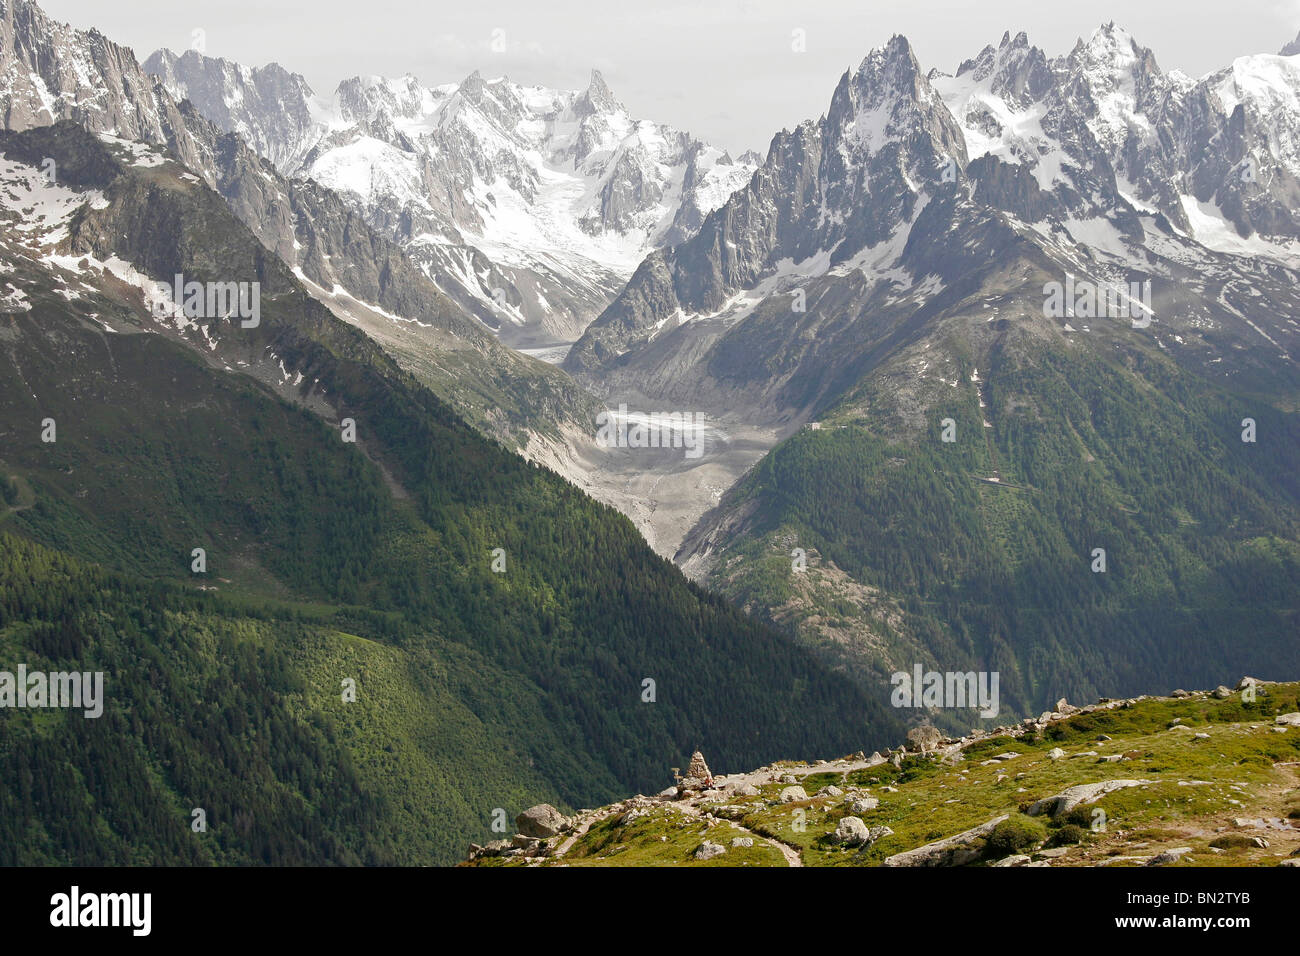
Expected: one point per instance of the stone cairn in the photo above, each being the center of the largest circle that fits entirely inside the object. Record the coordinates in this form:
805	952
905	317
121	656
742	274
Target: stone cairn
698	776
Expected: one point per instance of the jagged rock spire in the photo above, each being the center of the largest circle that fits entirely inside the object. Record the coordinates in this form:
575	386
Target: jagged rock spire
598	97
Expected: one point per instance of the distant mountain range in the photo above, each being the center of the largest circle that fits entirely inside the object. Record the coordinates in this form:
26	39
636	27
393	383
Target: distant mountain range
1094	163
530	207
52	71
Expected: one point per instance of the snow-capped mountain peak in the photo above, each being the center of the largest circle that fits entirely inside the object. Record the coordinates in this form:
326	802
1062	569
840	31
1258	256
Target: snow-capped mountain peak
528	205
1103	132
360	98
242	99
597	98
1109	48
1014	71
1095	159
880	101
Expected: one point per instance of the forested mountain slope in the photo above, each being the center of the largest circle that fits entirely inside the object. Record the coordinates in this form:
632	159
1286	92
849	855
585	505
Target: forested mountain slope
980	552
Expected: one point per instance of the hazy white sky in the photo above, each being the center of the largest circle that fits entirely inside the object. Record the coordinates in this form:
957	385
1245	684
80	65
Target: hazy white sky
723	69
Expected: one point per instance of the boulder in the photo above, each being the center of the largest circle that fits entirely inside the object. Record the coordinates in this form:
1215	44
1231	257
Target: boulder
707	850
1221	693
748	790
851	831
863	804
792	794
742	841
1288	720
541	821
830	791
951	851
878	833
1056	753
1016	859
1067	800
1169	856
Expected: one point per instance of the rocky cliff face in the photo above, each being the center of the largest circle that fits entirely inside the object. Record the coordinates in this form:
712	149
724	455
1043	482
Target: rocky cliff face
271	109
50	71
827	191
